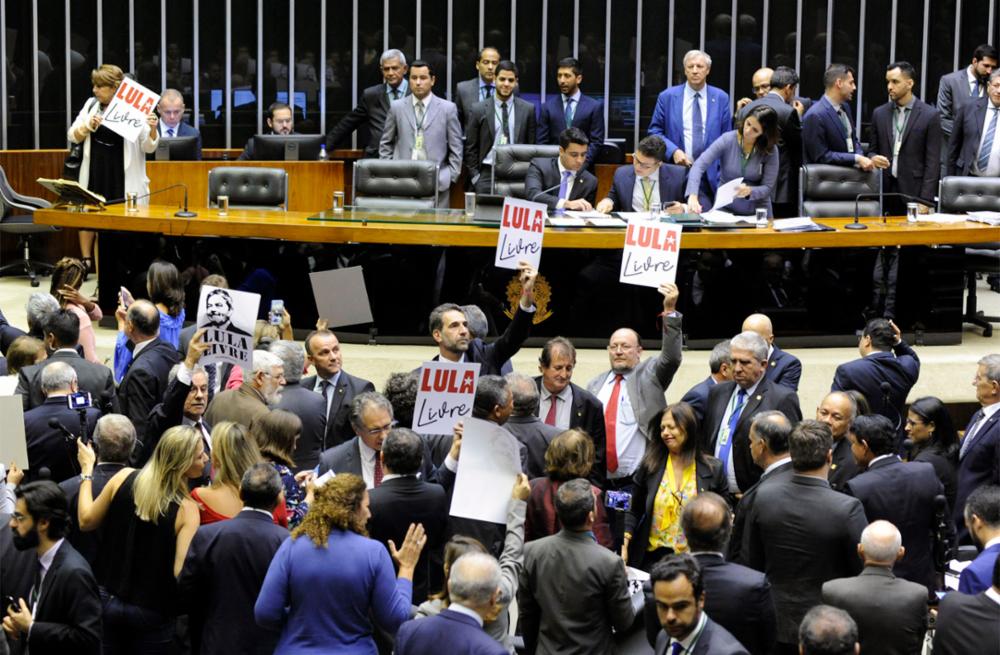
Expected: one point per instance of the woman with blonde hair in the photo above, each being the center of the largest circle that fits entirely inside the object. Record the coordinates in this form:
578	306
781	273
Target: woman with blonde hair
67	277
24	351
148	520
233	452
276	433
323	591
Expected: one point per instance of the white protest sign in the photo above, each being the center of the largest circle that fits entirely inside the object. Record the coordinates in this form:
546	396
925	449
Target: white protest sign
522	226
650	255
444	396
487	470
127	111
13	445
228	317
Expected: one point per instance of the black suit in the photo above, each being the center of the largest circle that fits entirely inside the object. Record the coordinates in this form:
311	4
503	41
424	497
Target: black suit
311	409
8	334
394	506
739	540
86	543
491	356
967	624
801	534
338	425
481	136
697	397
767	396
162	417
714	640
535	437
918	165
222	576
945	463
372	109
543	175
966	136
899	369
978	465
145	381
96	379
786	189
844	466
47	447
587	414
17	567
346	458
68	616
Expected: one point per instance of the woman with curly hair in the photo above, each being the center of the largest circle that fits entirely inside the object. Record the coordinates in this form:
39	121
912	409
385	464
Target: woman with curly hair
67	277
322	591
165	290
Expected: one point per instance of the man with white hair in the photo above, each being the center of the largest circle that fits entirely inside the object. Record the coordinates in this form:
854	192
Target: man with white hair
732	405
979	456
473	588
171	109
302	401
891	613
257	394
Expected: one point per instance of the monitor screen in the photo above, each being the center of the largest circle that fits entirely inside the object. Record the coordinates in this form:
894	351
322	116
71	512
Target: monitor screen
287	147
178	148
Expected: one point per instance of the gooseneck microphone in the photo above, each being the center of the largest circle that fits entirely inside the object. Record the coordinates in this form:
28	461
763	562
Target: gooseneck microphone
869	196
181	213
55	424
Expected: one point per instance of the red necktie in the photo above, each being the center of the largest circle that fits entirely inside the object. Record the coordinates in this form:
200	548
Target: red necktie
550	418
378	469
611	424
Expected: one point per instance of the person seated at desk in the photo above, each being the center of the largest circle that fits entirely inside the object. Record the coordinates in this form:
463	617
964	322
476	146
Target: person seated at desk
172	123
646	182
576	187
750	151
280	120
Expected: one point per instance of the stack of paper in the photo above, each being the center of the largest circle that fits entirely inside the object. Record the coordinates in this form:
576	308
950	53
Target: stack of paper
565	221
942	218
990	218
715	217
605	221
799	224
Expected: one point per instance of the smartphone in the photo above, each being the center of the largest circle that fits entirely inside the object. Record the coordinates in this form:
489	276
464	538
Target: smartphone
277	313
126	297
79	400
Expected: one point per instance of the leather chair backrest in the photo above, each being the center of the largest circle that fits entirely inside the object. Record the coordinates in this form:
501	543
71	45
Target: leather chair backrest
510	166
251	187
395	184
959	195
609	153
828	190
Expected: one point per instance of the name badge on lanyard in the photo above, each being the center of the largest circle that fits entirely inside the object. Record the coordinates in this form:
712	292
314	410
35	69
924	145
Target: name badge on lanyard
418	146
850	144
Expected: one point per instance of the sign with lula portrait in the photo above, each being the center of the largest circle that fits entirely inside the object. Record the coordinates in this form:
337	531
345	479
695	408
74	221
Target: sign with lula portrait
229	318
522	226
128	109
650	255
445	393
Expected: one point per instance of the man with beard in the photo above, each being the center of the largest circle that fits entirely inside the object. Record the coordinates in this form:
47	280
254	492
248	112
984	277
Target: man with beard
828	132
254	396
570	108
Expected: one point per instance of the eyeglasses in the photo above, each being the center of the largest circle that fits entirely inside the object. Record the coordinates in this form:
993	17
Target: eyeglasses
374	432
619	347
20	518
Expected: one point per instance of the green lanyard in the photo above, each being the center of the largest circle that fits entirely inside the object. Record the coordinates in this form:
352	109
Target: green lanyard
647	193
900	125
744	157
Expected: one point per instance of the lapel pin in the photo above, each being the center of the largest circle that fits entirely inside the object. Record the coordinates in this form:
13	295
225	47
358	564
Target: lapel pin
758	396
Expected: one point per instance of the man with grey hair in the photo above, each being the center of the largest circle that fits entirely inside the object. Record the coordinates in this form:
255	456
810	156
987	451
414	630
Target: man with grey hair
257	395
979	455
828	630
474	590
39	305
891	613
304	403
373	106
53	448
720	370
732	405
145	379
525	425
171	109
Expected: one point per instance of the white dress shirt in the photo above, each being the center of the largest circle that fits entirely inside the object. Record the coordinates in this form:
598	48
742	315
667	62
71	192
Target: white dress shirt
498	126
629	442
564	410
639	197
730	466
569	184
318	388
993	167
368	456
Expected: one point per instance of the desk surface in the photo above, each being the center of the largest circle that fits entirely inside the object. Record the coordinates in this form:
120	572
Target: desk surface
303	226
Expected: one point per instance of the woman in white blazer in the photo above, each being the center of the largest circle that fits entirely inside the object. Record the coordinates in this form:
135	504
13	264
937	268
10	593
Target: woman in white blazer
111	165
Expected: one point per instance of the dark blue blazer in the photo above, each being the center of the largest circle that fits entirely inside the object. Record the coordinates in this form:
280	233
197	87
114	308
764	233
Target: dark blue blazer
784	368
967	132
145	381
184	129
978	466
671	189
589	117
977	577
448	632
823	137
668	121
900	368
47	447
697	397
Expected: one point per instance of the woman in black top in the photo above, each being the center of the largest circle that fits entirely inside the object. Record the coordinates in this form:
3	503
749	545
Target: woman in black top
935	441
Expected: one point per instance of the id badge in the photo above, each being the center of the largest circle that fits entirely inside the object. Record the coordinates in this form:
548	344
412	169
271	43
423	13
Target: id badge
503	139
896	147
850	144
418	143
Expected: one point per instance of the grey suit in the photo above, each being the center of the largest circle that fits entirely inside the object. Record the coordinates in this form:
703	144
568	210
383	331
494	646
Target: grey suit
891	613
311	409
442	136
535	437
954	91
967	624
714	640
572	593
466	96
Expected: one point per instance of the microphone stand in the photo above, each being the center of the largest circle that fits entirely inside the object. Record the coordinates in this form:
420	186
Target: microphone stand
181	213
869	196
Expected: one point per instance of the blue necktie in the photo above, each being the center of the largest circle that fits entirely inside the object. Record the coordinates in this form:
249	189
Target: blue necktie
987	147
568	113
676	648
564	184
971	432
170	131
697	128
974	93
734	418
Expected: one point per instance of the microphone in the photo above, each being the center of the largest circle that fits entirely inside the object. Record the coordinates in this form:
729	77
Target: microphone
182	213
868	196
886	388
56	425
542	193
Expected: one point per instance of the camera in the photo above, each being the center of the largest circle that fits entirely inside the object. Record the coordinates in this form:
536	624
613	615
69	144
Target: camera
277	312
618	500
79	400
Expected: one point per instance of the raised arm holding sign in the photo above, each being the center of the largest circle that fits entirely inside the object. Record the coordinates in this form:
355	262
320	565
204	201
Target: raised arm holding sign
650	254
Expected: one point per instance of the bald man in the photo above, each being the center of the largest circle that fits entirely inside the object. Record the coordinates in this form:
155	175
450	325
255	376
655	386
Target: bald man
761	85
782	368
837	410
171	110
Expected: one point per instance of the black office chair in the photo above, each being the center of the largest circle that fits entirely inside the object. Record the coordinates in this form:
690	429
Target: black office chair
827	191
959	195
390	184
510	167
16	218
249	187
609	153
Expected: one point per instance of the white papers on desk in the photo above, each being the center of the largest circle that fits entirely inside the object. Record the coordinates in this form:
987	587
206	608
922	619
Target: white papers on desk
596	219
565	221
799	224
716	217
727	192
636	216
942	218
990	218
490	463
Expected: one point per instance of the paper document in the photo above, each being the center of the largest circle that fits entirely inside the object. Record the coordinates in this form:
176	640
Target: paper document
566	221
605	221
942	218
585	215
990	218
715	217
489	465
727	193
629	216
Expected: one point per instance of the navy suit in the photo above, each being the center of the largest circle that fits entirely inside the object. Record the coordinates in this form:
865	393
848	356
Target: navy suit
670	187
823	136
491	356
145	381
338	425
967	624
541	184
979	465
668	122
714	640
977	577
183	129
47	447
588	115
311	408
739	540
899	368
448	632
697	397
784	369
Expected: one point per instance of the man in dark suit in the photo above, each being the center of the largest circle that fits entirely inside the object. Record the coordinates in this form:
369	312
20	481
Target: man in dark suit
573	592
565	405
469	93
335	385
171	110
837	410
782	368
982	517
49	447
732	406
145	380
979	455
891	613
969	624
827	629
302	401
499	120
886	372
570	108
562	182
225	568
63	611
525	425
62	332
720	369
971	149
647	182
373	106
803	533
828	132
680	593
403	499
967	84
902	494
280	120
8	333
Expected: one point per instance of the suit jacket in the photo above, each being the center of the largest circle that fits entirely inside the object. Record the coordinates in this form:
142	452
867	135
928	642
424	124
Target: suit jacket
739	539
900	368
803	533
240	405
945	463
903	494
467	96
668	121
648	383
394	506
17	569
588	115
338	424
222	576
536	436
96	379
68	616
572	593
714	640
481	130
671	181
824	138
786	189
967	624
346	458
978	466
784	368
541	520
183	129
8	334
372	109
697	397
967	132
978	575
891	613
47	447
766	397
88	544
448	632
709	475
844	466
164	416
543	175
491	356
310	407
145	382
587	414
918	166
954	92
442	136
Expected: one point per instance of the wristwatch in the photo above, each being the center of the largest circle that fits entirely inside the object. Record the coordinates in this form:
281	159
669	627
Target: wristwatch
84	476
